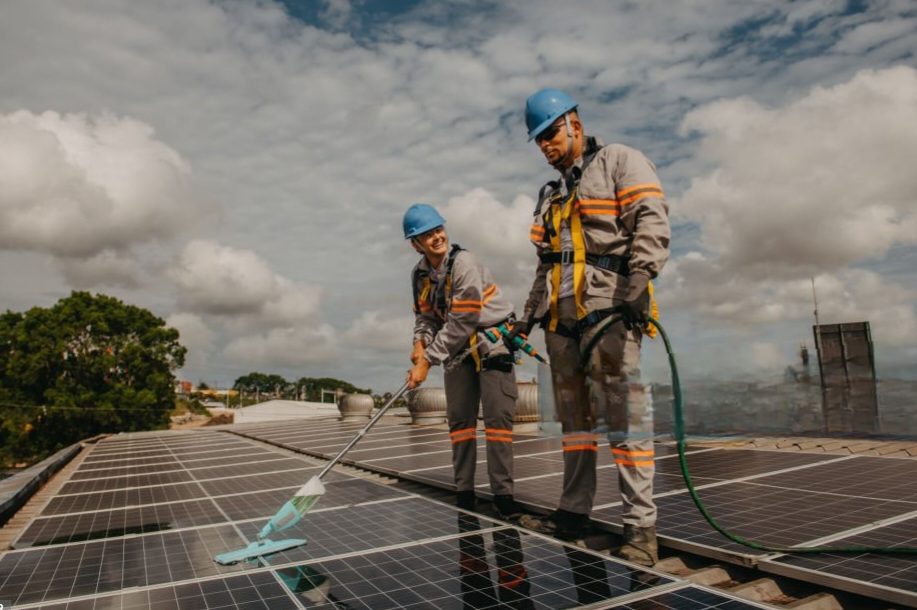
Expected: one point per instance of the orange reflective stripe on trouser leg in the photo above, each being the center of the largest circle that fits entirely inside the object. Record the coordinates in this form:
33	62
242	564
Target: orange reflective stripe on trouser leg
498	435
465	434
631	457
580	441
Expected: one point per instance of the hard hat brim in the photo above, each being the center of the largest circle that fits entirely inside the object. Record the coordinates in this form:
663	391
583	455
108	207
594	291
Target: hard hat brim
423	229
547	122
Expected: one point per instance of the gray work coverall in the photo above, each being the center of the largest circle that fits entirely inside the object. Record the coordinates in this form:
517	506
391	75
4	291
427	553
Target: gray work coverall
448	323
610	203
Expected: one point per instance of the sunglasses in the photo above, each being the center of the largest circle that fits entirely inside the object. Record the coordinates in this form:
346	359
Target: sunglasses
549	133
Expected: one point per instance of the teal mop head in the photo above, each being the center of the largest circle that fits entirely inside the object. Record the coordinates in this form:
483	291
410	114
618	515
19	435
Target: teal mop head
289	515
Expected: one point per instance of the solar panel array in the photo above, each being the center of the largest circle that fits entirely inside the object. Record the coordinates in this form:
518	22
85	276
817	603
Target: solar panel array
137	523
771	497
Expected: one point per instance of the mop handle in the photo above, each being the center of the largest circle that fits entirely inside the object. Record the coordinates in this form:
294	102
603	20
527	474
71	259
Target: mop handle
362	432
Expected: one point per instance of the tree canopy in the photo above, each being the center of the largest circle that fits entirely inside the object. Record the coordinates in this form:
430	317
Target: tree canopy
87	365
306	388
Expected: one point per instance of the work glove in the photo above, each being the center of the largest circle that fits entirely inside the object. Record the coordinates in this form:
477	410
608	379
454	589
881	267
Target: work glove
521	328
417	352
636	302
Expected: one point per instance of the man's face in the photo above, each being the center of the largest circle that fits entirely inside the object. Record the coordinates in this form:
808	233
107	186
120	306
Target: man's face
554	142
434	243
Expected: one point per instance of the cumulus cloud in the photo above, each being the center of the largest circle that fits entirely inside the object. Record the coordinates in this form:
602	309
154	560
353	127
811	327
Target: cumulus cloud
266	319
695	283
81	187
374	331
336	13
285	347
497	234
820	183
196	336
107	268
222	280
314	139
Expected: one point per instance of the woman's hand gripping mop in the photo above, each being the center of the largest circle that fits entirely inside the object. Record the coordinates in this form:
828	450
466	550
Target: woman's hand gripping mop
296	507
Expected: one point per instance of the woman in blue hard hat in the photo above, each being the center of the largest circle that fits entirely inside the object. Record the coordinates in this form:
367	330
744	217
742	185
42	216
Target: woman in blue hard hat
455	300
601	232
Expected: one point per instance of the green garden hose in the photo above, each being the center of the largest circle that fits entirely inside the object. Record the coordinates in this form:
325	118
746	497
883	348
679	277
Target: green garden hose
678	416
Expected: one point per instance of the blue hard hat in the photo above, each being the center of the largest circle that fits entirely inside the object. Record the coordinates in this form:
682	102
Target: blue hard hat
420	218
544	107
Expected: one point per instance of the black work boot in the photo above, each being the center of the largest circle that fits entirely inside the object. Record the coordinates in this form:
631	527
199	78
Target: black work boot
640	545
465	499
506	508
570	526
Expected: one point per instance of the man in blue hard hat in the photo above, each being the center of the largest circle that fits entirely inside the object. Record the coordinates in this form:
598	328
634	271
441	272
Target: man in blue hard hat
455	300
601	232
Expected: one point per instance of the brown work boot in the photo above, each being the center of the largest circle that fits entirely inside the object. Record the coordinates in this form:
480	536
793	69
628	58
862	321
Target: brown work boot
640	545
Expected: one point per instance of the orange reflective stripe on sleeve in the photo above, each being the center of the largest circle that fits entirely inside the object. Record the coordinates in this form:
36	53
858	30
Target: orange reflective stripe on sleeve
637	192
593	207
536	233
467	306
489	293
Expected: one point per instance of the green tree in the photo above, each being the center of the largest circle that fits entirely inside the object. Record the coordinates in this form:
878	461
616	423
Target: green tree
311	387
87	365
263	383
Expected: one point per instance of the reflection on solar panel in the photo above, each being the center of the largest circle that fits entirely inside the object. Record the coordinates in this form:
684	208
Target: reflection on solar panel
138	522
776	498
491	569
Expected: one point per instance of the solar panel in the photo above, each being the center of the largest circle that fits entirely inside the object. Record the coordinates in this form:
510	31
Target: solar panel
862	476
767	515
889	577
689	598
124	497
500	568
365	528
123	521
82	474
50	573
134	480
119	522
258	591
262	504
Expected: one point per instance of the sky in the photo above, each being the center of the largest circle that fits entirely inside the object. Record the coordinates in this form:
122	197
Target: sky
241	168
